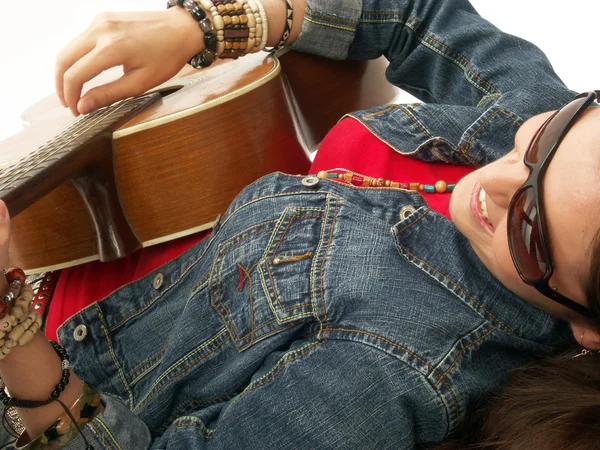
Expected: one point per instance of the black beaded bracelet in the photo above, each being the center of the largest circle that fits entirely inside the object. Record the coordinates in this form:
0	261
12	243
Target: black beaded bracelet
209	55
62	384
289	20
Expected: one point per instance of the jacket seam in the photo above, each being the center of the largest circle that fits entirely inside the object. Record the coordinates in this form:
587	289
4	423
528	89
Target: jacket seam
113	356
465	147
435	386
413	23
168	377
456	285
455	361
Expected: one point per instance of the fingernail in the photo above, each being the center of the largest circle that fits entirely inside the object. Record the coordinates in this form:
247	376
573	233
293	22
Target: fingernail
3	212
86	105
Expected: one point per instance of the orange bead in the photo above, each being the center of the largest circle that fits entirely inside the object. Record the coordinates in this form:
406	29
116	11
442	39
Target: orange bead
421	187
322	175
414	186
441	186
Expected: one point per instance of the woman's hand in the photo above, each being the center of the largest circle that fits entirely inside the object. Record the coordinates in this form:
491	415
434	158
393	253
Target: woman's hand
150	46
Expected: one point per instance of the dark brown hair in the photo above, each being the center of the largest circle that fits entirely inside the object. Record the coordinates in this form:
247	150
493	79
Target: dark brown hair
552	404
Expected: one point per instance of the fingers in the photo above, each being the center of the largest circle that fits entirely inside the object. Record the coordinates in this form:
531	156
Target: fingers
4	241
86	68
67	57
130	84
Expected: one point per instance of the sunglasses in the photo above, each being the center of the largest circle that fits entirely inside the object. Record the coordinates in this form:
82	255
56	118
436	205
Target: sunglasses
527	229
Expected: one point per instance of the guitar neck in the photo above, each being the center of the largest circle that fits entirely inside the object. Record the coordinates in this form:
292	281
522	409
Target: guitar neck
65	155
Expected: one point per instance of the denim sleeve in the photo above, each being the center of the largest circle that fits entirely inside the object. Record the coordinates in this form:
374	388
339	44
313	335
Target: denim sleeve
479	84
108	430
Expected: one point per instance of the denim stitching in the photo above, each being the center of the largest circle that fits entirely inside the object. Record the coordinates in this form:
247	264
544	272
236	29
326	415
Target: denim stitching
330	17
465	65
380	113
283	236
112	354
467	145
331	228
488	98
227	316
271	374
193	404
151	302
220	260
158	387
402	152
99	435
313	270
461	353
200	284
398	346
208	433
199	287
102	435
145	366
457	286
414	221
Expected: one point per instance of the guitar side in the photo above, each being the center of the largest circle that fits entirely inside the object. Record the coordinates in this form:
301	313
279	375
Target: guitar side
181	162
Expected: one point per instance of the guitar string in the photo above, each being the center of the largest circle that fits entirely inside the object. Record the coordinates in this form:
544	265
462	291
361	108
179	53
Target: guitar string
41	154
44	155
57	144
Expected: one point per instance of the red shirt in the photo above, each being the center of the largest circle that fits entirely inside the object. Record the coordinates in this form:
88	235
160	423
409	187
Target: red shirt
349	145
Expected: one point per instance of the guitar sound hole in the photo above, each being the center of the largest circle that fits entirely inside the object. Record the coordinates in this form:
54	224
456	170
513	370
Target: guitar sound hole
168	91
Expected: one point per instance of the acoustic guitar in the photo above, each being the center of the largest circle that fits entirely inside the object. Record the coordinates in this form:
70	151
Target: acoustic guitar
166	164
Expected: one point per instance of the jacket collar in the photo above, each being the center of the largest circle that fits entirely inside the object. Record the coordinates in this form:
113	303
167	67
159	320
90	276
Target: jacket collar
432	243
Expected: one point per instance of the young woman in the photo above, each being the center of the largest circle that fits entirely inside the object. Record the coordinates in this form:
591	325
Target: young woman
320	314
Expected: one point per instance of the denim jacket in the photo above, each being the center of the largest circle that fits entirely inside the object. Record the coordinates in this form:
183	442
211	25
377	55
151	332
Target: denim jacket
315	316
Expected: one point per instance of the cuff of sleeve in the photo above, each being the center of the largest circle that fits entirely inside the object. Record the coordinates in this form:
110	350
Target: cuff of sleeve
107	429
329	27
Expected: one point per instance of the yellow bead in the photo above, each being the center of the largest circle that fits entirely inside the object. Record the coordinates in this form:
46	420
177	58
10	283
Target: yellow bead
322	175
441	186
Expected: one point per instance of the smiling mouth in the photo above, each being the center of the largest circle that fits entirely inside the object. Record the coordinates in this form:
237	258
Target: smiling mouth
479	208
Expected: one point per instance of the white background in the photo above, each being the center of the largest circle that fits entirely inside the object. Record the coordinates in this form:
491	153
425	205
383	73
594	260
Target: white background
32	33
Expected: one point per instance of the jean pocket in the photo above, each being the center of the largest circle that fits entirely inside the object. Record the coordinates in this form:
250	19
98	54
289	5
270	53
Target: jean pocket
263	279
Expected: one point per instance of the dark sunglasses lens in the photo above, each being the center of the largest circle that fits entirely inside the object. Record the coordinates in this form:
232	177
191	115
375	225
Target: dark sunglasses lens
524	236
549	133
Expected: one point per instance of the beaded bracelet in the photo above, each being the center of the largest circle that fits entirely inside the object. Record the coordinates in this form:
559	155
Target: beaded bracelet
19	322
287	29
231	21
62	384
209	54
83	410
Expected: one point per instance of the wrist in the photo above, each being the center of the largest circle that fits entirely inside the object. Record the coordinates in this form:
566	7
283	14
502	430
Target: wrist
189	35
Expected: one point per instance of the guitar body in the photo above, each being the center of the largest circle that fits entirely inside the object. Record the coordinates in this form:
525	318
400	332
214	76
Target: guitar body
179	163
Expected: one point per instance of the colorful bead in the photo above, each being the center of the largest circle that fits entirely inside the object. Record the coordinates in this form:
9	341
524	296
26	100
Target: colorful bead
15	274
440	186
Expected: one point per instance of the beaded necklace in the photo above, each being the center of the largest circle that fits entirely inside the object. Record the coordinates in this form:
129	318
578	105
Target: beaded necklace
357	179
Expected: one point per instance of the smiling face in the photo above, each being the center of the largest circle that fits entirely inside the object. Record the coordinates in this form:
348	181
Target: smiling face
480	201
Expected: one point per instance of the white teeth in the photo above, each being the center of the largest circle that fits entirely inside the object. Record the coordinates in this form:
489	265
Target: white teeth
484	210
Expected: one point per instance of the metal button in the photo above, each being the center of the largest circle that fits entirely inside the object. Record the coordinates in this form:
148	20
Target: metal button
80	333
159	279
310	181
406	212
